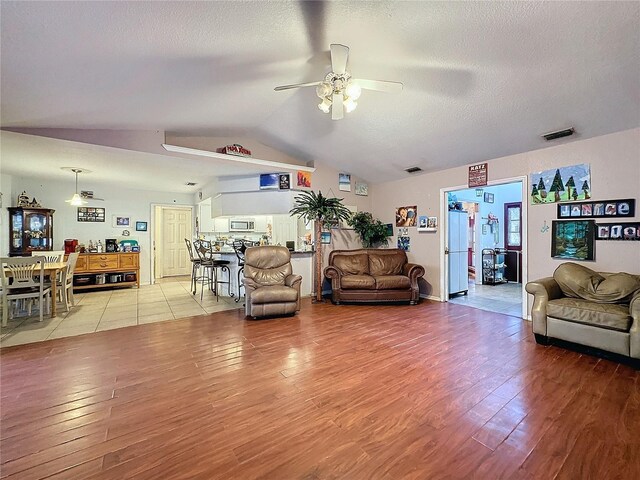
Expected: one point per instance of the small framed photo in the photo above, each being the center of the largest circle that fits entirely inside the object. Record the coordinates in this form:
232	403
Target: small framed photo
488	197
576	211
479	192
586	210
389	232
325	238
610	209
565	211
422	223
121	221
284	181
598	209
603	232
141	226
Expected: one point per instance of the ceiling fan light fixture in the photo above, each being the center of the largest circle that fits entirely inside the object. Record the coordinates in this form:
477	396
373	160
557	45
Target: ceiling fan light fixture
349	105
324	90
76	200
325	105
353	91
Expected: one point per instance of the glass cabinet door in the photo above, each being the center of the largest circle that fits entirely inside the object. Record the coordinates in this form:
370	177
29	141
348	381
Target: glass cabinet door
37	230
16	232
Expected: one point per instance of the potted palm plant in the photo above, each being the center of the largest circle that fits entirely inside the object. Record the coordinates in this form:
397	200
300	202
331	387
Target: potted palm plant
322	211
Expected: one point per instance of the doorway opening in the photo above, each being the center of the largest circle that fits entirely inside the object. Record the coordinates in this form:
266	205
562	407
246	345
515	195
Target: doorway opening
170	226
484	241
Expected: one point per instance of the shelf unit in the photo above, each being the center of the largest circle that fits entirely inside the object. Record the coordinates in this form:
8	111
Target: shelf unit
30	230
493	266
93	264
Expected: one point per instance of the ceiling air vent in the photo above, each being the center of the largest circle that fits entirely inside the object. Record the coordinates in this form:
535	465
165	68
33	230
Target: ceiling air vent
413	169
558	134
191	184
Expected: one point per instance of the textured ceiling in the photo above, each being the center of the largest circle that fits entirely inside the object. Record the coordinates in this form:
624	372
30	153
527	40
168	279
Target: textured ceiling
482	80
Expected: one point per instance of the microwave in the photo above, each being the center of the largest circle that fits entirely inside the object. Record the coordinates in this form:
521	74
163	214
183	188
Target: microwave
242	225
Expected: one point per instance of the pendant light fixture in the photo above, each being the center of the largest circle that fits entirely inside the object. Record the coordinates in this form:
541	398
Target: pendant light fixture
76	200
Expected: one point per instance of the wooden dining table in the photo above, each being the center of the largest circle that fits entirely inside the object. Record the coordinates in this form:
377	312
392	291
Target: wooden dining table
51	269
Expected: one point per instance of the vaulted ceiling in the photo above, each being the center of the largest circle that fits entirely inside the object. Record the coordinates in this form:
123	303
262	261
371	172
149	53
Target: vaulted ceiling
481	80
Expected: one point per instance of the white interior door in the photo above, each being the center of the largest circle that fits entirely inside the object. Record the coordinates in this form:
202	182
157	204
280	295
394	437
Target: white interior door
176	226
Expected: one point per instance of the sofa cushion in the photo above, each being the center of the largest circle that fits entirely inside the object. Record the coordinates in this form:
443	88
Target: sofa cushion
358	282
578	281
352	264
603	315
388	262
392	282
274	294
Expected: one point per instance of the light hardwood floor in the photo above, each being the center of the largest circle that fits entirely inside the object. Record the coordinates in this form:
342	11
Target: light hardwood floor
342	392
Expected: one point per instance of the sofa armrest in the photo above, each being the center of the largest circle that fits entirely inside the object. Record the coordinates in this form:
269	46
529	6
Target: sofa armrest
634	333
333	274
542	290
413	271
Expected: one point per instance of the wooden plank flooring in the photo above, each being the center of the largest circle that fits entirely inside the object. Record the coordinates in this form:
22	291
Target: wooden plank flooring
353	392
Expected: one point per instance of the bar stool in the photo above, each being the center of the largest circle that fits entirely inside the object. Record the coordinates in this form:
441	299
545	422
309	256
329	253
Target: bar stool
240	246
195	266
211	266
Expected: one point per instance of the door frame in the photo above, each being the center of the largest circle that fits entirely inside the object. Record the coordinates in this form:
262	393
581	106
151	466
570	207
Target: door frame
157	223
444	270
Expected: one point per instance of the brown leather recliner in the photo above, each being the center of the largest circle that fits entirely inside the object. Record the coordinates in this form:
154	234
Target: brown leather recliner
270	286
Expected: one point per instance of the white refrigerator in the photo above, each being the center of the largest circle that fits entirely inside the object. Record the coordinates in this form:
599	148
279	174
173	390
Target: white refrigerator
458	252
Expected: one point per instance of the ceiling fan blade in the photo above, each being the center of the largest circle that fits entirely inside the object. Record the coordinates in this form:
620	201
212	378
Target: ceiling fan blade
379	85
337	107
297	85
339	56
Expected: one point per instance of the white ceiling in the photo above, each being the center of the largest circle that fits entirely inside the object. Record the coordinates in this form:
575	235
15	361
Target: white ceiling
482	80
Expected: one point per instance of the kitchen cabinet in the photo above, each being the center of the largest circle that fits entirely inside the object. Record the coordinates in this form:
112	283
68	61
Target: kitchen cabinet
261	223
205	220
30	230
264	202
221	225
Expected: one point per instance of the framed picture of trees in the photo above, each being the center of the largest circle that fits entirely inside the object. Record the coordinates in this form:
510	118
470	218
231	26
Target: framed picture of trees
572	239
564	184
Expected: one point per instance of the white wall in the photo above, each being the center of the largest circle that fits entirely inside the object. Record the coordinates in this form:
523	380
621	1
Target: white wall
117	201
615	173
7	201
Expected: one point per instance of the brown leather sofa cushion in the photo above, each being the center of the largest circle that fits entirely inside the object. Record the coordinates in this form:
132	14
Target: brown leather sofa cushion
578	281
274	294
603	315
392	282
352	264
388	263
358	282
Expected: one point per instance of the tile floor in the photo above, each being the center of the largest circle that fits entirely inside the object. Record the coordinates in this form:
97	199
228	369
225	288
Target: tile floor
107	309
504	298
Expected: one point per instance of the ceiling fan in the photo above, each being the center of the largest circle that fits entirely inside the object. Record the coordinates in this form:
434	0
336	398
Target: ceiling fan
338	91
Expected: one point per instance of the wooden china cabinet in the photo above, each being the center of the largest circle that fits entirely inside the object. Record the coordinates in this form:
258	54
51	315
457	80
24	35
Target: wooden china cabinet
30	230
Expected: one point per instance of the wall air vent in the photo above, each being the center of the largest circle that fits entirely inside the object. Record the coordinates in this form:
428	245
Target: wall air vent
558	134
190	184
413	169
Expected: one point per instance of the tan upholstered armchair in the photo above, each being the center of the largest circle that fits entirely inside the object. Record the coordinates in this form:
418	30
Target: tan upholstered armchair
270	286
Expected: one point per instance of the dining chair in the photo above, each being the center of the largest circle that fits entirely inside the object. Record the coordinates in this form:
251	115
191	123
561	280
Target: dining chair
23	278
54	256
210	264
66	284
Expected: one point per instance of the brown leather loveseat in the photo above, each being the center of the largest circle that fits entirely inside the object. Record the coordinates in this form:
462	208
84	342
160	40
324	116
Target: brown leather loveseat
373	275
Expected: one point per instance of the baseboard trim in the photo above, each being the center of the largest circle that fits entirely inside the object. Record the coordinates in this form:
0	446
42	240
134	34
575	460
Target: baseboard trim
430	297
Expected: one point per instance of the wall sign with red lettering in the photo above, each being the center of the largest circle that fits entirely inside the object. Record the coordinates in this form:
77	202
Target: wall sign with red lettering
236	149
478	175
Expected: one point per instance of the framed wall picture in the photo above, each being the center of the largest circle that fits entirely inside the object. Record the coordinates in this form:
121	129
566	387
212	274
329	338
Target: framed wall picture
618	231
121	221
90	214
325	238
488	197
284	181
141	226
407	216
625	208
572	239
269	181
565	184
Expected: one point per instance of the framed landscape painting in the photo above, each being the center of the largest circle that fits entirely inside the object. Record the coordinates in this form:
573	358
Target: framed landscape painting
572	239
